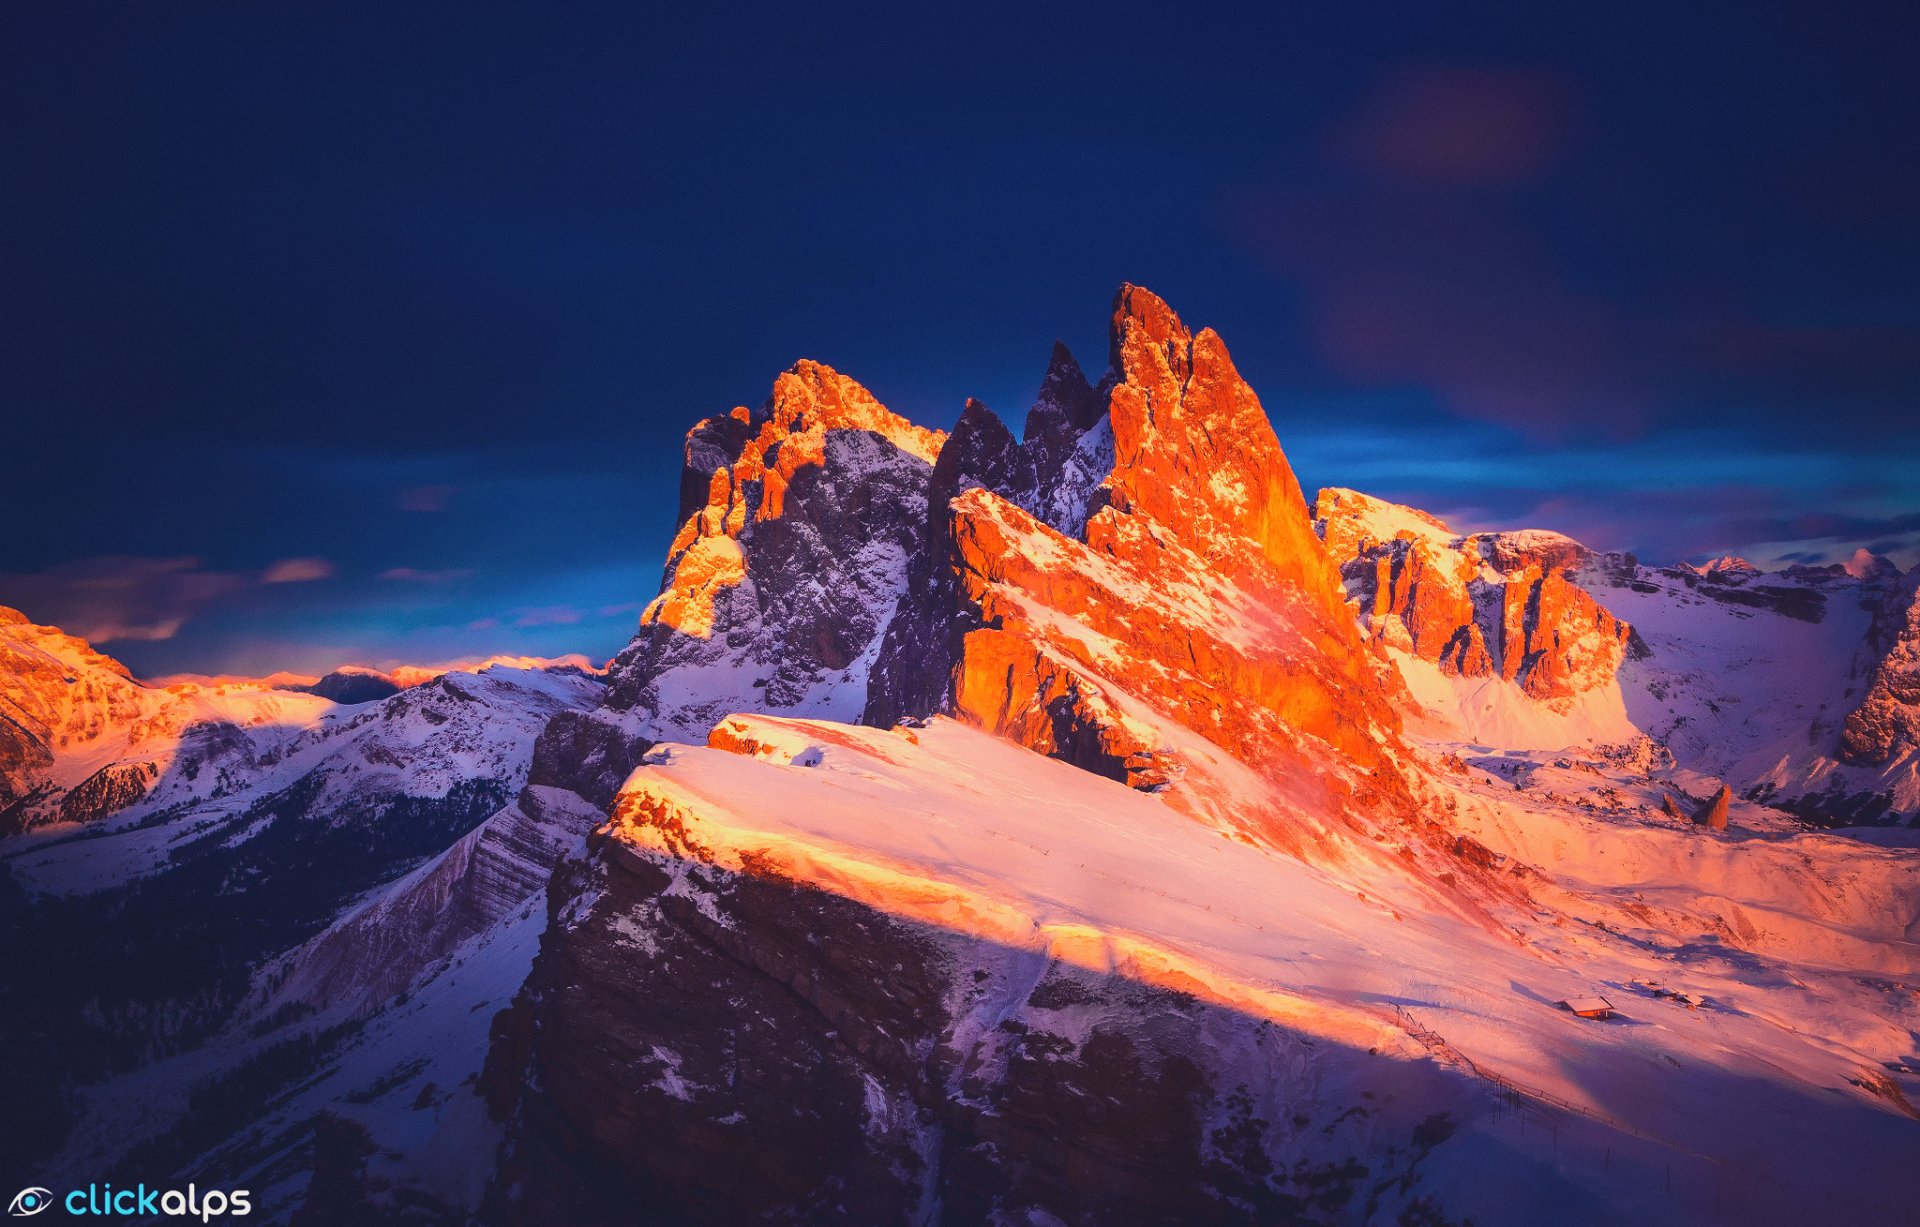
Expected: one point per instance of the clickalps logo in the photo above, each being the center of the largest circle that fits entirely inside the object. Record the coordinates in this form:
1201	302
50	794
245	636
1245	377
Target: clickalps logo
139	1201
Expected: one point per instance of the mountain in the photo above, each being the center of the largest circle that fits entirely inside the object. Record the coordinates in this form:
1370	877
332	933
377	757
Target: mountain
1761	679
175	837
1885	729
81	739
1294	958
1076	827
1187	621
1482	605
851	974
1787	685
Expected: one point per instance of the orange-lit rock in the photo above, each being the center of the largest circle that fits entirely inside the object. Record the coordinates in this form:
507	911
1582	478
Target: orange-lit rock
1480	605
1886	725
799	521
1713	815
1195	612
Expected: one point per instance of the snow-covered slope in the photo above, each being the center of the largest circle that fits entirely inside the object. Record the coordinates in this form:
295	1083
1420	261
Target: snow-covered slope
1035	914
261	813
1753	677
1793	687
81	739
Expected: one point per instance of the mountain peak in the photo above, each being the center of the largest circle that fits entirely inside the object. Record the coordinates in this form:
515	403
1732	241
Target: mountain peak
1193	447
1865	564
1350	522
812	396
1066	403
1145	336
1726	564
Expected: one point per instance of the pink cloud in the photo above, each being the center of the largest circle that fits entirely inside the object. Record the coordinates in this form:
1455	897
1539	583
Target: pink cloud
548	615
413	575
119	598
297	571
1460	126
425	498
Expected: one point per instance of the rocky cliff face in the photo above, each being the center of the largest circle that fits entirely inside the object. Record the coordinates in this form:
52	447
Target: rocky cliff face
1187	614
791	1055
1481	605
1886	725
785	574
801	521
1054	473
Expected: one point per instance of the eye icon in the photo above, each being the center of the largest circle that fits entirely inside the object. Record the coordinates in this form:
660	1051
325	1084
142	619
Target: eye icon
28	1202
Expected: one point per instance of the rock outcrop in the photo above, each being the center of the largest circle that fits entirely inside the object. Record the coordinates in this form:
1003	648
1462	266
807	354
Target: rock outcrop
1053	473
1183	602
1886	725
800	520
1481	605
1713	815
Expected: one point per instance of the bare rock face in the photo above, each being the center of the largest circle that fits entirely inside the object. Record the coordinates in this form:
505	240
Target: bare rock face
801	518
1053	473
1713	814
1489	604
1886	725
1192	583
392	940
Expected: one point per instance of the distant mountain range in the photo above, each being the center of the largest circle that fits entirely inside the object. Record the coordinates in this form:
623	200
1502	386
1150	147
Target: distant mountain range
1081	827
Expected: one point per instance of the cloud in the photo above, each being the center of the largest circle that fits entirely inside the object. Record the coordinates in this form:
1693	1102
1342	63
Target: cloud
1460	126
425	498
1458	297
297	571
547	615
413	575
116	597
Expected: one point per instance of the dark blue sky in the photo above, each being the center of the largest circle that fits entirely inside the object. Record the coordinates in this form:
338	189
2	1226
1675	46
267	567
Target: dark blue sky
405	307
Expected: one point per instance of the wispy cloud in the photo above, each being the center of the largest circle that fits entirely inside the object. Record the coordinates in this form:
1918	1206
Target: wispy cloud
414	575
1460	126
297	571
425	498
115	597
547	615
